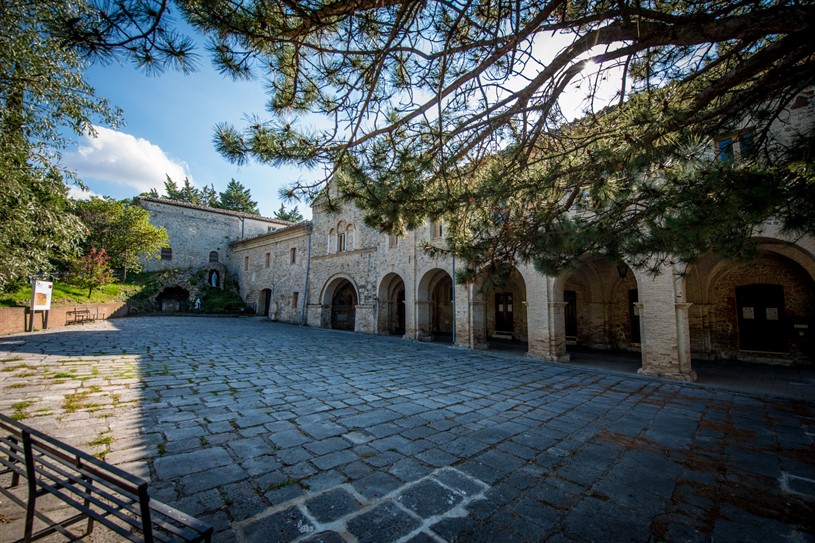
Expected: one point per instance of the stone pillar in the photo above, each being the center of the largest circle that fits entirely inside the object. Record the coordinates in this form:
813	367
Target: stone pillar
411	328
364	318
462	313
383	312
423	331
664	329
477	320
546	320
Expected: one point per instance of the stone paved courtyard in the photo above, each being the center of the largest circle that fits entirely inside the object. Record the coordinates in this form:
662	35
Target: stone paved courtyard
276	433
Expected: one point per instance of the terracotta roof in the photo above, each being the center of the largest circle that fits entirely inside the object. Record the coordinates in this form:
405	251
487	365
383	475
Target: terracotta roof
295	226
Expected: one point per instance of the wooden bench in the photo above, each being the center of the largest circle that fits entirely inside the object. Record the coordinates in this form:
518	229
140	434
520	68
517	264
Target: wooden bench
98	491
79	315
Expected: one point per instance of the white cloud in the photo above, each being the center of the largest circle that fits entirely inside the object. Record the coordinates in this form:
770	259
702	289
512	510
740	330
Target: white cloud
78	194
122	159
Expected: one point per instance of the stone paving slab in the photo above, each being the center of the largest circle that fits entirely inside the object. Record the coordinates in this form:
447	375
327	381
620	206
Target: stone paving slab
274	432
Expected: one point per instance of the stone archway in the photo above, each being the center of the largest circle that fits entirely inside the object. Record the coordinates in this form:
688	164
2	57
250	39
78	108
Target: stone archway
434	309
602	306
343	307
339	301
391	305
763	310
506	315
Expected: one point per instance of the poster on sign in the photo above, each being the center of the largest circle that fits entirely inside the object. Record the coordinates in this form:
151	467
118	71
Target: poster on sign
41	295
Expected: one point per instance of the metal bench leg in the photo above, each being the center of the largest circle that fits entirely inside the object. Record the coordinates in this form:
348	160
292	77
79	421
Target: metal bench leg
31	475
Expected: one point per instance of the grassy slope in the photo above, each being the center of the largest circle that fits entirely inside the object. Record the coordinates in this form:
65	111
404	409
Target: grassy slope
65	293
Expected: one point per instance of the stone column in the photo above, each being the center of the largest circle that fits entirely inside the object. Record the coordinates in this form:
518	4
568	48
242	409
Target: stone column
546	320
462	312
364	318
664	329
423	331
477	320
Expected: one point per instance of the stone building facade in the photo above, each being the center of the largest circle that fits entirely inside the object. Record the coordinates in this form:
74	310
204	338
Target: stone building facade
335	272
200	235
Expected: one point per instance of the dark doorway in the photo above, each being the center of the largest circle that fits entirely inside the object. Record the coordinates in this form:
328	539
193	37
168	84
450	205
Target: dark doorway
761	318
504	316
173	299
266	301
570	297
343	307
634	315
399	328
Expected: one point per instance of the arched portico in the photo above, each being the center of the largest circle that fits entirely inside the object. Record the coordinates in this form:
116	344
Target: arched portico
339	301
503	320
601	305
391	305
434	306
762	310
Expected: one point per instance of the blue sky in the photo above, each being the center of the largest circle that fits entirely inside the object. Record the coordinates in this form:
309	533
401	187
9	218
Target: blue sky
169	125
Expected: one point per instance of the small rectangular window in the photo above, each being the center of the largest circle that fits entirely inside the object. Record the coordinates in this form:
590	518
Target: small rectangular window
725	149
734	146
246	263
166	253
393	240
294	255
268	259
295	297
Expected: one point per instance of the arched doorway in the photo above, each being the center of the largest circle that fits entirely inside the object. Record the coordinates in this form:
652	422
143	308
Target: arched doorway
173	299
343	306
506	315
435	306
602	306
265	302
391	306
762	310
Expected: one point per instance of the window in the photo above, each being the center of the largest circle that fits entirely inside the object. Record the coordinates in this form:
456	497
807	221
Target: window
735	145
295	297
268	259
166	253
213	256
245	263
436	229
341	243
294	255
393	240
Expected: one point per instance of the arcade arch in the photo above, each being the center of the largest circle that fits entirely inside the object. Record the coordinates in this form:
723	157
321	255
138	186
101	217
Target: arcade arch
601	305
434	306
391	305
340	298
762	310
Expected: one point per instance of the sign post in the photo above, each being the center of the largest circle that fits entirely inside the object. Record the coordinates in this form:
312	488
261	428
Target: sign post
40	301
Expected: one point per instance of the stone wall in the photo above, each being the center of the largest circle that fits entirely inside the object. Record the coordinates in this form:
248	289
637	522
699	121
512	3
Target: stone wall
266	271
196	231
13	319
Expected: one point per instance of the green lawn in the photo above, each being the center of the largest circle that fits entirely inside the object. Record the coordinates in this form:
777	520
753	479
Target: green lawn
66	294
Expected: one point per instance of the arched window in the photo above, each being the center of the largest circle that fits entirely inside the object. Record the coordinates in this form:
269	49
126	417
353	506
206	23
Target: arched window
330	241
341	239
213	256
